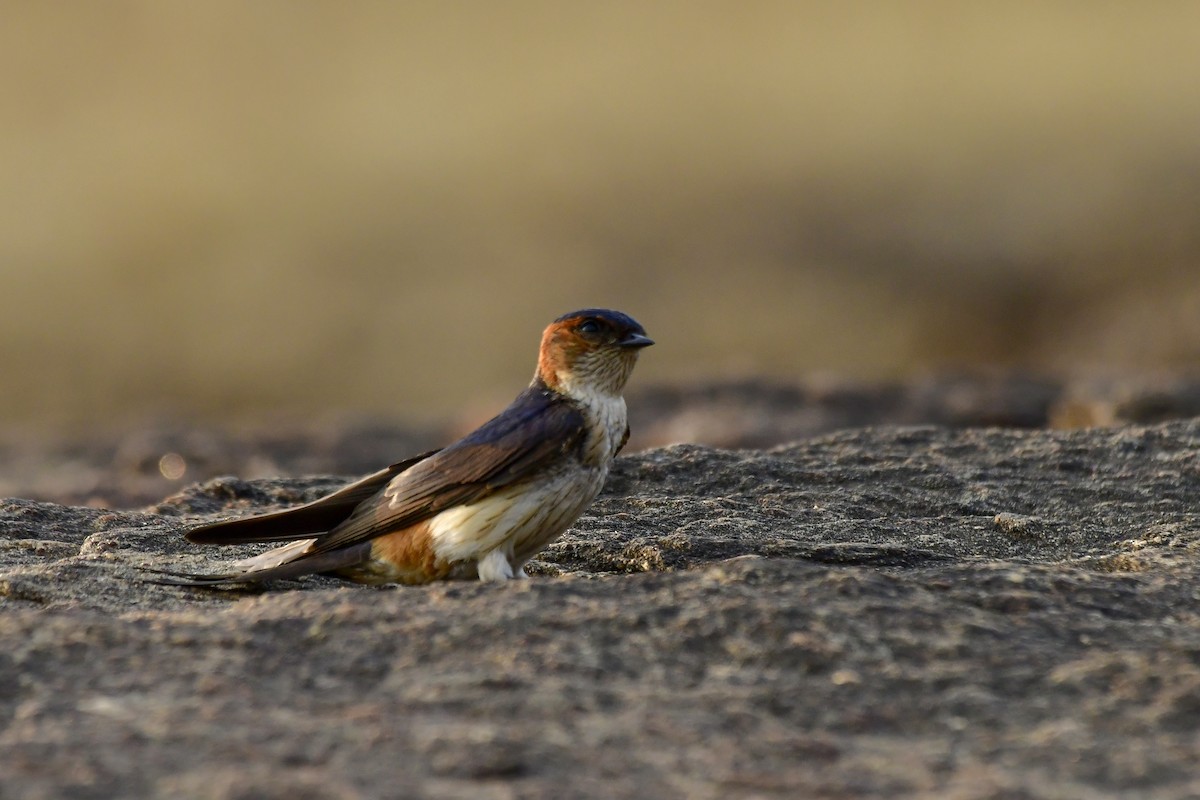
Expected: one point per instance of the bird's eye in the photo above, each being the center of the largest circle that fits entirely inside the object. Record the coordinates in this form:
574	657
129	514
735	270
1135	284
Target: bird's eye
589	326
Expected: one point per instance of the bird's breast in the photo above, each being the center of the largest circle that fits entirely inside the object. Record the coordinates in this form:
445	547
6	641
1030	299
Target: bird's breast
606	421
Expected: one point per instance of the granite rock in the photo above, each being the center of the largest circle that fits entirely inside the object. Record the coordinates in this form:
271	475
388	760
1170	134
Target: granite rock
902	612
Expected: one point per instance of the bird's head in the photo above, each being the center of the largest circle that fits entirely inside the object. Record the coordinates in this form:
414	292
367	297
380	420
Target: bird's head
590	352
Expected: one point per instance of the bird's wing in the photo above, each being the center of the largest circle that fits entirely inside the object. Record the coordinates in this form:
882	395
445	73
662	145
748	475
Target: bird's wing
301	522
539	429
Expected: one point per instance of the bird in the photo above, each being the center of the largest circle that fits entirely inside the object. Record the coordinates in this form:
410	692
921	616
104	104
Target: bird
481	507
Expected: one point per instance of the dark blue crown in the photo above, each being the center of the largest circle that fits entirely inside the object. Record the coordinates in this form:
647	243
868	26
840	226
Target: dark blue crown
618	320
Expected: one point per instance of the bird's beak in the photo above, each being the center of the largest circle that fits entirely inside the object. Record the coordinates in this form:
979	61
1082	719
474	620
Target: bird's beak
636	340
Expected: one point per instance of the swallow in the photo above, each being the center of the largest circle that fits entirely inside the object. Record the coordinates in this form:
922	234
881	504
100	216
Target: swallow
481	507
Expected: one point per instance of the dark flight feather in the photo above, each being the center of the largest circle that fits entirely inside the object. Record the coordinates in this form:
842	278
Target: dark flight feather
303	521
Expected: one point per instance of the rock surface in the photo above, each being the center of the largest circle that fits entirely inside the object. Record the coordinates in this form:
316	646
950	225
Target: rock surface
895	612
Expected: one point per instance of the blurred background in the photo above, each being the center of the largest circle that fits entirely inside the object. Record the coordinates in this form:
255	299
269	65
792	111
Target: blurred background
229	210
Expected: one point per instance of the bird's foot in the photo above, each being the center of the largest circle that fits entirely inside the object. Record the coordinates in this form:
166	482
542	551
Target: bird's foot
495	567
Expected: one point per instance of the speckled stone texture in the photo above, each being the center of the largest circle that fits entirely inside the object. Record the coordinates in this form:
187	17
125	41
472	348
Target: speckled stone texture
892	612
